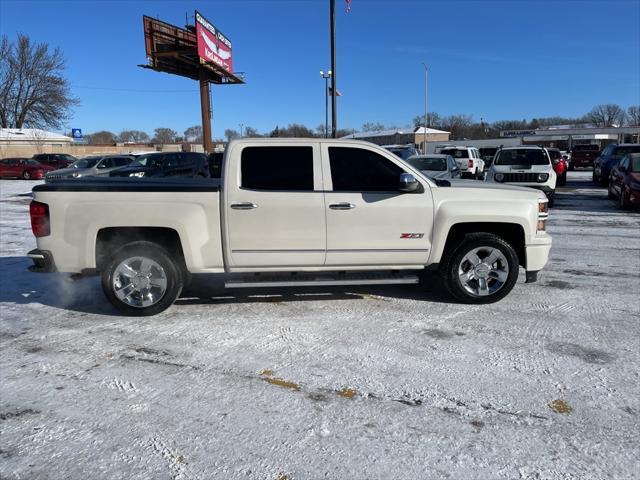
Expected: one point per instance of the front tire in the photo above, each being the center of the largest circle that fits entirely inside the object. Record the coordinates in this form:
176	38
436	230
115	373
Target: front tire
26	175
481	268
141	279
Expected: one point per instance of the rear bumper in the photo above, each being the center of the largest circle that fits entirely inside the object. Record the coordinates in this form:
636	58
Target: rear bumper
42	261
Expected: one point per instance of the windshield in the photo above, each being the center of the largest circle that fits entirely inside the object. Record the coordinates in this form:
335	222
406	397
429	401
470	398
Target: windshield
151	160
635	163
620	152
521	156
87	162
554	154
426	163
403	153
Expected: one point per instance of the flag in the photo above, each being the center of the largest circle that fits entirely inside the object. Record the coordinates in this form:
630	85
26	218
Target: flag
338	94
348	6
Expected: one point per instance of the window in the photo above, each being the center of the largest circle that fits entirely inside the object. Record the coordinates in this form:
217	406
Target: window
277	168
121	161
360	170
522	157
456	152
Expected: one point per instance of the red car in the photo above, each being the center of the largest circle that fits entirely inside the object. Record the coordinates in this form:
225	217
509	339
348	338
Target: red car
624	181
25	168
559	165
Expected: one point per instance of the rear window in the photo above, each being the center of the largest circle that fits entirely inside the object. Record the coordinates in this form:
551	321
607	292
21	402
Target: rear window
456	152
426	163
586	148
524	156
403	153
277	168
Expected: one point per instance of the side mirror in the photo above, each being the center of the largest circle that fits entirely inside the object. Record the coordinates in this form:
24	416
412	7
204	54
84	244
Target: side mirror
408	183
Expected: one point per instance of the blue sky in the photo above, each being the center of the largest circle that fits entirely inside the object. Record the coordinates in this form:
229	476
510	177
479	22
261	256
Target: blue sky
496	60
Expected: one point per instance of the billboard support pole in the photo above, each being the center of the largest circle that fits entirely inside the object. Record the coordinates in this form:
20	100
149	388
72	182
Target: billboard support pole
334	116
205	107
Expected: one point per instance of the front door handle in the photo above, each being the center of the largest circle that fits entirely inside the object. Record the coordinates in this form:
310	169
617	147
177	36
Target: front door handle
342	206
244	206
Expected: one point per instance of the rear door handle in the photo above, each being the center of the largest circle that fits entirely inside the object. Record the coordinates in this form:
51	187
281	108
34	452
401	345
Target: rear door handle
244	206
342	206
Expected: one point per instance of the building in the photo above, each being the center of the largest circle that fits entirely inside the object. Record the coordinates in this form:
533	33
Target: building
25	142
396	136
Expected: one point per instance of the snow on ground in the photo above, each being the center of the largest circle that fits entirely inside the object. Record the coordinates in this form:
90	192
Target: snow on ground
330	383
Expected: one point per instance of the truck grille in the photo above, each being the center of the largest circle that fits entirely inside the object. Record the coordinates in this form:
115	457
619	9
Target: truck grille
521	177
48	178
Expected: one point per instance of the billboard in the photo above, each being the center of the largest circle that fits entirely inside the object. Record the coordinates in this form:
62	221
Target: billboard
213	47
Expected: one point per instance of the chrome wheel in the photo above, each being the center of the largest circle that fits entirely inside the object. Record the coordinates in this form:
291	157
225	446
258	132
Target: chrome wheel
139	282
483	271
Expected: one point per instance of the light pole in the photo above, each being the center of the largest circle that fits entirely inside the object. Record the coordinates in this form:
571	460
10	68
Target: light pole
241	125
326	76
426	86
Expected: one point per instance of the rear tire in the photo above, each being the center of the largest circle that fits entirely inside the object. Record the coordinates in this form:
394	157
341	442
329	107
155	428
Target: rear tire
610	194
26	175
624	205
141	279
481	268
562	179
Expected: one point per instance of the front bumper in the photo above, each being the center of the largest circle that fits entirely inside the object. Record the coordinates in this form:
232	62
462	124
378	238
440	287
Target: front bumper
538	253
42	261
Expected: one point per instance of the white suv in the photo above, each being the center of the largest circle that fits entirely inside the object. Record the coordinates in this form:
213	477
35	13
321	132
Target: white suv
526	166
468	159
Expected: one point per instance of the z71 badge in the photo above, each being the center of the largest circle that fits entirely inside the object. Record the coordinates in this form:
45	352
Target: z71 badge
411	235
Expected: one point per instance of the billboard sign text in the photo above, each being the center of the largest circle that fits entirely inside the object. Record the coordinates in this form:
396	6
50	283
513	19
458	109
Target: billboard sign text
213	47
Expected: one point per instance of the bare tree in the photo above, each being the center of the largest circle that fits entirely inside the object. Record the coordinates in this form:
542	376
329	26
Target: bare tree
433	120
133	136
102	137
633	116
607	115
164	135
231	134
33	91
251	132
193	134
372	127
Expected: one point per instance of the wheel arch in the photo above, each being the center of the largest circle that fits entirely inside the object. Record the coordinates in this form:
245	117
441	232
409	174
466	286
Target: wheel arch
110	239
512	233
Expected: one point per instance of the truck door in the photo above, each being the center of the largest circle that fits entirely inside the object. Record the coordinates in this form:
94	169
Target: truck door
274	206
369	221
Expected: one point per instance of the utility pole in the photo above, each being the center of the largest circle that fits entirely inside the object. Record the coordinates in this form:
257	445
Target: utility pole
426	91
334	116
241	125
326	77
205	107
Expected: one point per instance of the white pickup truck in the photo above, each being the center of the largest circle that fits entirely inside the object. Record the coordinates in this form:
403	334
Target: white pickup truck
290	212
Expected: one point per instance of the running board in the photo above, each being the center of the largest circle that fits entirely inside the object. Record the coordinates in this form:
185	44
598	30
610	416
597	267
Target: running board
307	280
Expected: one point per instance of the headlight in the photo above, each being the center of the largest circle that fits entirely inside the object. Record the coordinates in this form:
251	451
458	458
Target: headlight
498	177
542	177
76	175
137	174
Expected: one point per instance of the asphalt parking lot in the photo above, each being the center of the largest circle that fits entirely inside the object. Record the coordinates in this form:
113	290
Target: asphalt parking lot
394	382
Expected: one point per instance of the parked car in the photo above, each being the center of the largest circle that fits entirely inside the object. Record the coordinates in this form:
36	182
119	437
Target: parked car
468	160
55	160
624	181
525	166
166	164
93	166
559	165
403	151
290	212
609	158
582	156
24	168
436	166
566	156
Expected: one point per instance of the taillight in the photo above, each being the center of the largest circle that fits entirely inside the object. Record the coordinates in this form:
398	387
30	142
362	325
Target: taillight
39	219
470	164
